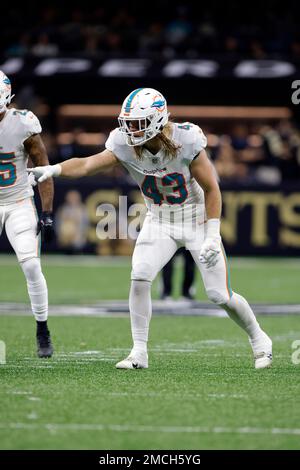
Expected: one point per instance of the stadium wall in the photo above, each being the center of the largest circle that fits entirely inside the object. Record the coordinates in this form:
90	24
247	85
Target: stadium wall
256	221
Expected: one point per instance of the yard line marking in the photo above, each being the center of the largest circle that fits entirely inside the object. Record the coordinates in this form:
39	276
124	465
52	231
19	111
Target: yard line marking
66	260
100	261
32	415
289	335
42	367
226	395
185	396
56	427
119	308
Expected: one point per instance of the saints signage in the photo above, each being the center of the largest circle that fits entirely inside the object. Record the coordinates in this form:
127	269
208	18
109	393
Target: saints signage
253	222
132	67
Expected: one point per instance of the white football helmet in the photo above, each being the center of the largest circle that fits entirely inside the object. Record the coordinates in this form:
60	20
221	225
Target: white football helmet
143	115
5	92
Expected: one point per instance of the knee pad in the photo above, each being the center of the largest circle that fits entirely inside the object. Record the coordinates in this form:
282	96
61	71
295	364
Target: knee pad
139	290
32	269
142	272
218	297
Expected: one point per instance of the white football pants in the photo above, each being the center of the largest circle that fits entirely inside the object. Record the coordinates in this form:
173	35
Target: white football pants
20	222
155	246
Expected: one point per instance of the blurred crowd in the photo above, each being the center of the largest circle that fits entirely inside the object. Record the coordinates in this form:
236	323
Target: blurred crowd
158	29
266	154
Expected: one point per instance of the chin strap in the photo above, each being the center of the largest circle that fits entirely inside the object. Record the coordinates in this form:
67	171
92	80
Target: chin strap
142	141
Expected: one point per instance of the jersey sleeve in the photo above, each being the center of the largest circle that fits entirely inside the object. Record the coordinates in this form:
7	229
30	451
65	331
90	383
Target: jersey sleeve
115	143
192	139
200	141
110	143
30	124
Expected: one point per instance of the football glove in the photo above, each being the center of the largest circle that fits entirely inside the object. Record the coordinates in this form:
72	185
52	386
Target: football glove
45	226
42	173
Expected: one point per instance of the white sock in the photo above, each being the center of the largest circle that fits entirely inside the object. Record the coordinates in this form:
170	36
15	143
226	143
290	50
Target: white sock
240	311
140	313
37	288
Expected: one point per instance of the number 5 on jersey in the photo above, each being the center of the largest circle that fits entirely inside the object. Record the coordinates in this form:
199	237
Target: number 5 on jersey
8	173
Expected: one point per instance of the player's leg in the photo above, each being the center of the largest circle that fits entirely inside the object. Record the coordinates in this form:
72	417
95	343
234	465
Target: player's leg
216	280
21	228
152	251
167	278
189	275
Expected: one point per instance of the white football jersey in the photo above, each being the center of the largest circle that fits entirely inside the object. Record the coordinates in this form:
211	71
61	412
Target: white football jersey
16	126
166	184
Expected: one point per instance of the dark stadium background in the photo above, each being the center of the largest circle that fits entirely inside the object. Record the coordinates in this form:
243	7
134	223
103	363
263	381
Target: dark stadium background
228	67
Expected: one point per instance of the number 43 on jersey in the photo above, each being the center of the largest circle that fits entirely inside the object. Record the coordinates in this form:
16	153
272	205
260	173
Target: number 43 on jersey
176	180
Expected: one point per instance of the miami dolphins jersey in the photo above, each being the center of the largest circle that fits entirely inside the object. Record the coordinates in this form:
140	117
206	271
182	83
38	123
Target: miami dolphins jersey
166	183
15	128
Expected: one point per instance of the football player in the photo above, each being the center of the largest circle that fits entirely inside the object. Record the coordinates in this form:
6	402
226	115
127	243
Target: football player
169	162
19	139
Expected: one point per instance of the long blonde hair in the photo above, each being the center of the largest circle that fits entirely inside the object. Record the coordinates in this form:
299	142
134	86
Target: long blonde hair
169	147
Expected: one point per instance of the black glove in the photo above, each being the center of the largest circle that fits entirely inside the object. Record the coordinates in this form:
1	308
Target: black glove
45	226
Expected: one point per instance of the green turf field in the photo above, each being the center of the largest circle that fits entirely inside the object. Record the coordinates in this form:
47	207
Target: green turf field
201	390
82	280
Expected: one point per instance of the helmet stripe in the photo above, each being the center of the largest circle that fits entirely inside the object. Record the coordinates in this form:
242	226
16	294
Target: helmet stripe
129	101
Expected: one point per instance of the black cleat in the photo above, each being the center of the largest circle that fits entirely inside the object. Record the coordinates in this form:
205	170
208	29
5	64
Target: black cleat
44	344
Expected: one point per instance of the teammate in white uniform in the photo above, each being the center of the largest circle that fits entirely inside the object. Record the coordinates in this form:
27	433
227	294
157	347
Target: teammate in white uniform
20	139
181	192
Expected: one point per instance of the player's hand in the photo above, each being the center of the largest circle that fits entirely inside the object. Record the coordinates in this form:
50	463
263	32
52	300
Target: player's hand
209	251
31	179
211	246
42	173
45	226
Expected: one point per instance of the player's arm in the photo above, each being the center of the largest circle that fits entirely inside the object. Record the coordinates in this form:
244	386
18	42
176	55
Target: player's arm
204	173
36	150
78	167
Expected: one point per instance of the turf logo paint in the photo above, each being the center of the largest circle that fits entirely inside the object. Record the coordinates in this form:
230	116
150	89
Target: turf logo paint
2	353
296	353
